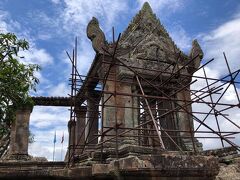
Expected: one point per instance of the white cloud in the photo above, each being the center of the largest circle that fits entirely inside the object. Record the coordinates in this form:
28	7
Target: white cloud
41	78
72	19
45	26
181	38
55	1
43	145
3	24
231	95
59	90
85	58
228	98
7	24
36	56
78	13
42	117
158	5
225	38
44	122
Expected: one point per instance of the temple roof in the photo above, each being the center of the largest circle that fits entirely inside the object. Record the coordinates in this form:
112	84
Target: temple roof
144	19
145	45
146	31
146	37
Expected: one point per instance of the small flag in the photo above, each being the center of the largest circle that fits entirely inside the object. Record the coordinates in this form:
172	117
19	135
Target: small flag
55	138
62	138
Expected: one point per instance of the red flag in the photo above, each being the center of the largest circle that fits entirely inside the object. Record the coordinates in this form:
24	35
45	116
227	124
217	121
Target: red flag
62	138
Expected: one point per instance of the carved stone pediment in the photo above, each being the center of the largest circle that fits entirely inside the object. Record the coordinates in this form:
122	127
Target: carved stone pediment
155	48
145	37
146	44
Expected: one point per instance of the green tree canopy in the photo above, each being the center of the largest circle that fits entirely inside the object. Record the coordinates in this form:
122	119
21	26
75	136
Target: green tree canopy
16	79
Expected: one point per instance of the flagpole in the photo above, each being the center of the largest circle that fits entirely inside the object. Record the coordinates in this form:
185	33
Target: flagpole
62	151
54	141
62	145
53	151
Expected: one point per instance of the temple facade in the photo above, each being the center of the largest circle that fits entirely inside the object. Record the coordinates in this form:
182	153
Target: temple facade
145	80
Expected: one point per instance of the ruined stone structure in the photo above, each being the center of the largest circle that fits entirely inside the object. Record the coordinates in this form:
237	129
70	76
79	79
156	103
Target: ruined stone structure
144	106
132	116
145	52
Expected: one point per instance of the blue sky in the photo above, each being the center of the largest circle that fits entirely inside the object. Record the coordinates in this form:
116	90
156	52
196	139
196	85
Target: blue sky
50	26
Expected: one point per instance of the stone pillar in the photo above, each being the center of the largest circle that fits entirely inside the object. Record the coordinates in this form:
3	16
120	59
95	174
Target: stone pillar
118	111
80	125
128	115
71	141
186	121
168	122
20	135
108	111
135	113
92	119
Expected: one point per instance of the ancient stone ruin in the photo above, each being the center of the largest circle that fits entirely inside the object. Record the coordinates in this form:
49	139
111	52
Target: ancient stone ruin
131	117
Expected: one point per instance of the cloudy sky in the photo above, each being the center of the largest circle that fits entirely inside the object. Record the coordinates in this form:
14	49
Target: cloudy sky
50	26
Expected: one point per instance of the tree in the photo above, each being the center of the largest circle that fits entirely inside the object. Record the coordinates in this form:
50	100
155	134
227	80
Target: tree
16	79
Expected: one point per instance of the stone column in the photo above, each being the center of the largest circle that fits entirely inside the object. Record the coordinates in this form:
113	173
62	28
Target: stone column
118	110
71	141
20	134
92	118
168	122
80	125
186	121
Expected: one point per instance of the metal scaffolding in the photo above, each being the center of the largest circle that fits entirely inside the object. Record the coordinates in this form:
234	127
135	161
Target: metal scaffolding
152	109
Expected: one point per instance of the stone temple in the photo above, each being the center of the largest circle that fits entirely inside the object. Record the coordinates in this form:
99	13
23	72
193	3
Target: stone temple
132	116
145	52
